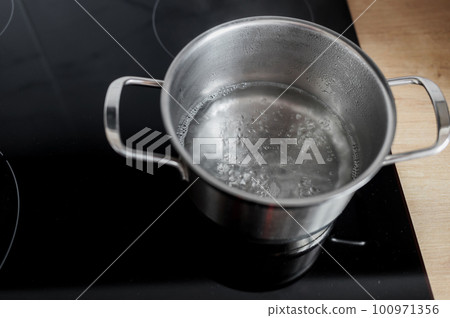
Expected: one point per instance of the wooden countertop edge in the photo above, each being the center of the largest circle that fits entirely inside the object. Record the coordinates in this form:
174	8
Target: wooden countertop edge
411	37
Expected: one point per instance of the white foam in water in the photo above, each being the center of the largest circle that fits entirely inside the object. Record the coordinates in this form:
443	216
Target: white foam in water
230	112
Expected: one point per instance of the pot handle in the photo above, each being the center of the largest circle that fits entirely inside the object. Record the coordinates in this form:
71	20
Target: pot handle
442	119
112	128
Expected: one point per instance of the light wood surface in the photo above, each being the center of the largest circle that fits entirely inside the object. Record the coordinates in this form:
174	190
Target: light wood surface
412	37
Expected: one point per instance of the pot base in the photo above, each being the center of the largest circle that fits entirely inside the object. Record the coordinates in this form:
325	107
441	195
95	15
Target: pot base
240	264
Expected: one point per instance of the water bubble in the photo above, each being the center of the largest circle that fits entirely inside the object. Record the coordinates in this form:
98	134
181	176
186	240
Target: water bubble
274	189
306	118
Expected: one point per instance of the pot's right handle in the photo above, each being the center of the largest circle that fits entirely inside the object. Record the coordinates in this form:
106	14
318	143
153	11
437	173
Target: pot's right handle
112	130
442	119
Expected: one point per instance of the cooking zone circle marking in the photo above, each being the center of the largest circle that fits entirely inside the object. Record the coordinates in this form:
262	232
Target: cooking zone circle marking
18	211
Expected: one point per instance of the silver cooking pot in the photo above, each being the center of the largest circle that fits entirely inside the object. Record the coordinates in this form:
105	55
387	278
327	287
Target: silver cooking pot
279	49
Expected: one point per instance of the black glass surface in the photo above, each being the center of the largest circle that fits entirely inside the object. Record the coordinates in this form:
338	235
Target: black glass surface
81	206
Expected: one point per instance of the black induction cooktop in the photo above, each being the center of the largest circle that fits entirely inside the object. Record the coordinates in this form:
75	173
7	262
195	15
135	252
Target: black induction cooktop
81	206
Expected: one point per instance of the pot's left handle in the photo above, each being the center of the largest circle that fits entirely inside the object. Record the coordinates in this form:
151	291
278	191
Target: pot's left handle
442	119
112	127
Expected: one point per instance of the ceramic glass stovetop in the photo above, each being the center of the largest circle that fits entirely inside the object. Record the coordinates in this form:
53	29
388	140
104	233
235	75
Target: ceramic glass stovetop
81	206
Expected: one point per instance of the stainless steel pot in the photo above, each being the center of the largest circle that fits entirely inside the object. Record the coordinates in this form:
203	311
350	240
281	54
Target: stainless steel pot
279	49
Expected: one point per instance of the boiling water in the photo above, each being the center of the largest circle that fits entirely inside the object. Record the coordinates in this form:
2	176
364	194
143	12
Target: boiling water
330	154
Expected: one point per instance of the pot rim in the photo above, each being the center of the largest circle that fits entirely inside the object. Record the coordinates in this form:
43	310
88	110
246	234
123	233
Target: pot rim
345	190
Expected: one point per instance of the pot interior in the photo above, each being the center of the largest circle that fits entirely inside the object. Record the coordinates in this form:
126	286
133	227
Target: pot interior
275	78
